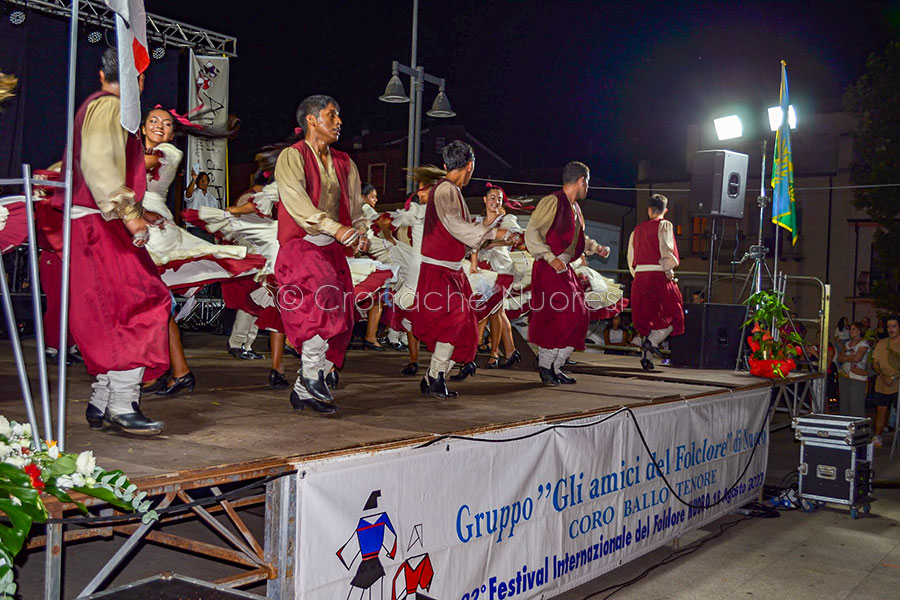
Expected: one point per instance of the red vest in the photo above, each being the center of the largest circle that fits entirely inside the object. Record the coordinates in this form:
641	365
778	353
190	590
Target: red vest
437	243
287	226
645	242
562	231
135	173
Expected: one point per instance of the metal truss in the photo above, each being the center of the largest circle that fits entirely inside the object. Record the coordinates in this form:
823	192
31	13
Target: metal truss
167	32
798	397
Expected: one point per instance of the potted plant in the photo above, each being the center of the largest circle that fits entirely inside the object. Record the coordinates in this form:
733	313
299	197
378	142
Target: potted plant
29	469
774	346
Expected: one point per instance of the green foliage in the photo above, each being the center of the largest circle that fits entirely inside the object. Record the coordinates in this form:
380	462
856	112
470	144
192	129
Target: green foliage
768	315
874	100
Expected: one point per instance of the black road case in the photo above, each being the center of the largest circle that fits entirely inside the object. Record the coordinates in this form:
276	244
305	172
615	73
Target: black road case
835	460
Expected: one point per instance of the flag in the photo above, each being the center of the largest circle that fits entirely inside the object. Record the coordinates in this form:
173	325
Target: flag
784	210
131	44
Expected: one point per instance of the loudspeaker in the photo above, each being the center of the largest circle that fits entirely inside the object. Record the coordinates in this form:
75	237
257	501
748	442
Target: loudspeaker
718	184
712	336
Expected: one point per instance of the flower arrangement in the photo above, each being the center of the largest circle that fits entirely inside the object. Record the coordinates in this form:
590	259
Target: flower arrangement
771	357
26	472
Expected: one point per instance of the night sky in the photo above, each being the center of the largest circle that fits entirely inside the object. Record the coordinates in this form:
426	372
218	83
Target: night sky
542	83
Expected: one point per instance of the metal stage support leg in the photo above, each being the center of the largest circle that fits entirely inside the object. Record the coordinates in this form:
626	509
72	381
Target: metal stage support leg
53	562
281	534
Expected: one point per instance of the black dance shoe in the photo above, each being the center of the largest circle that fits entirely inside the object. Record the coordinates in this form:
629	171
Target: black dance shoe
249	354
135	423
158	384
292	351
513	359
367	345
54	356
332	379
74	357
467	369
410	370
548	377
317	387
424	386
300	403
277	380
94	417
648	347
646	364
493	363
438	387
185	382
563	378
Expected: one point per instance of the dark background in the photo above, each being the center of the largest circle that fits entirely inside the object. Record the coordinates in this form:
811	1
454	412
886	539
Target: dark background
540	83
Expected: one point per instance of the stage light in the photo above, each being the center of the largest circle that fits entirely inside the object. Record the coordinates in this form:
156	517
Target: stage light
394	92
775	117
159	52
94	37
441	107
728	127
17	17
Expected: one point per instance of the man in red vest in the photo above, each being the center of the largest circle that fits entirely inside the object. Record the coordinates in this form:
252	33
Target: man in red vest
322	221
555	237
443	318
656	304
119	305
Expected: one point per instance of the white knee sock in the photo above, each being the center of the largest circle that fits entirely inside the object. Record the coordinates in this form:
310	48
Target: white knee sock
657	336
101	394
561	357
440	360
125	390
312	356
546	357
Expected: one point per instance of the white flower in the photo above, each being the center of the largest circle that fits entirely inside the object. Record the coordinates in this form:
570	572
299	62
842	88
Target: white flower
4	449
65	482
53	451
85	463
5	429
90	481
78	480
16	461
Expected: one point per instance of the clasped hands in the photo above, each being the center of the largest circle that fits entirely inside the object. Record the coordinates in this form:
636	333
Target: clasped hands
139	227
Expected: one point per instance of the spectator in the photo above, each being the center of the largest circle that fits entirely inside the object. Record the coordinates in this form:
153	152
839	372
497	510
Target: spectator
886	363
854	369
196	195
616	335
841	334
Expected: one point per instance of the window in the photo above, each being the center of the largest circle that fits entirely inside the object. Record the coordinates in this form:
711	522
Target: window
699	235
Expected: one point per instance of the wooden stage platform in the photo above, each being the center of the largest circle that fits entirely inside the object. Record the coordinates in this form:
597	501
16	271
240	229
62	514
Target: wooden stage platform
234	422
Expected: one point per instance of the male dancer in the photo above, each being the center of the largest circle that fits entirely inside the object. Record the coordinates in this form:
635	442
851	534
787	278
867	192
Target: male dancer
556	238
319	189
443	318
119	305
656	304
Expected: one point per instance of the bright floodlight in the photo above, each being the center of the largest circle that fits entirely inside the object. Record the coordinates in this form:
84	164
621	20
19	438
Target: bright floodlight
728	127
775	117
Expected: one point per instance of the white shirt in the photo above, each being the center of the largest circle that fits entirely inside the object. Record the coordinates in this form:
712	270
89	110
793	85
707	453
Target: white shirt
200	198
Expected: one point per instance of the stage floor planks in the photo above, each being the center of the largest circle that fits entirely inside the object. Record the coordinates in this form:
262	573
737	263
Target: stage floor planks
234	419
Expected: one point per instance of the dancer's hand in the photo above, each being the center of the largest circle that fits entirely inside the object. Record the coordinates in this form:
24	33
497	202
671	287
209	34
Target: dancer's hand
558	265
138	230
603	252
154	219
363	244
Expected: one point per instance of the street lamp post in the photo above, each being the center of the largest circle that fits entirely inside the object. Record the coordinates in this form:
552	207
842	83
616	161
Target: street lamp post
395	94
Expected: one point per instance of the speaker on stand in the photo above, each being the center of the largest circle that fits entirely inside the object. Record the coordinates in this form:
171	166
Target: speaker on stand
718	185
712	336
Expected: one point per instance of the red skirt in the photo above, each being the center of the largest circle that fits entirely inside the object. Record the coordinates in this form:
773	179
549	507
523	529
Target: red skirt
315	295
656	303
559	316
487	307
443	311
236	295
119	309
50	269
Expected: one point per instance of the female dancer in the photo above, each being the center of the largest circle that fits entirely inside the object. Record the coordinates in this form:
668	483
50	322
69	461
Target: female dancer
172	246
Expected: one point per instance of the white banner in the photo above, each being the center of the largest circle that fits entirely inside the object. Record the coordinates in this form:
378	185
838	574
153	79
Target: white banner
527	516
208	105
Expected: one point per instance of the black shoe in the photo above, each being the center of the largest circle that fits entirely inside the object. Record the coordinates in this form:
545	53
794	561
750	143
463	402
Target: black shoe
646	364
292	351
548	377
648	347
438	387
424	386
510	362
467	369
570	362
493	363
249	354
484	349
398	346
332	379
367	345
410	370
158	384
135	422
237	353
317	387
563	378
94	417
278	380
54	356
74	357
300	403
185	382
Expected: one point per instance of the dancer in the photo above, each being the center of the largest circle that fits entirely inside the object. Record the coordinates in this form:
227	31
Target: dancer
497	258
319	189
172	247
443	318
119	305
656	303
556	238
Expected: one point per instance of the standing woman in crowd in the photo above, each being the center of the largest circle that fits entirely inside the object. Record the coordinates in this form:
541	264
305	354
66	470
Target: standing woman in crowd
841	334
854	373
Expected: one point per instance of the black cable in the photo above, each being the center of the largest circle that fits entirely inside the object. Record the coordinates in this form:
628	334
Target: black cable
235	493
675	555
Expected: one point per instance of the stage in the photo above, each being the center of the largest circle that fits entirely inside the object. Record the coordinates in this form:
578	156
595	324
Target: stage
235	429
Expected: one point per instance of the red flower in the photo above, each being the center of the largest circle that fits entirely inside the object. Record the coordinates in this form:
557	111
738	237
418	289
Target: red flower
35	473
